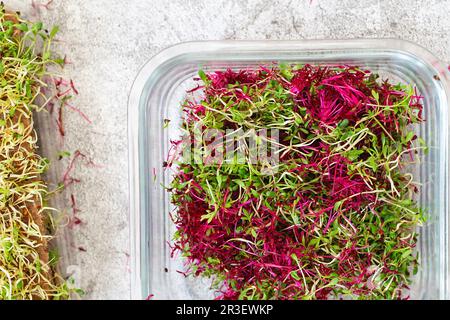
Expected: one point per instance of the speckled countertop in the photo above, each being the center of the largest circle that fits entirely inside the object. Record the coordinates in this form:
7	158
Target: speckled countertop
108	40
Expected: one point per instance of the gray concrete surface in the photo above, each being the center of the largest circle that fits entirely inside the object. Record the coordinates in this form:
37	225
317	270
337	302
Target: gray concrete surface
108	40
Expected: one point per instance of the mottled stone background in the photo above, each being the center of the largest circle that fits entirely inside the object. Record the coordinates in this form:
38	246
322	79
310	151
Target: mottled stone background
108	40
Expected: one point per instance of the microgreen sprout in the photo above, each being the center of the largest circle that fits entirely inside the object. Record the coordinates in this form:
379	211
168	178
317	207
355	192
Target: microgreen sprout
336	219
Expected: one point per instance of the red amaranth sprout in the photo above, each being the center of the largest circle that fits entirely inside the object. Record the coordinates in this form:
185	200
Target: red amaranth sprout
329	223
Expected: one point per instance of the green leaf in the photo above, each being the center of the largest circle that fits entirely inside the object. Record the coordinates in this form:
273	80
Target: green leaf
334	282
314	242
37	27
64	154
203	76
343	124
295	275
240	183
347	134
287	74
220	179
22	27
60	61
54	31
406	253
338	205
376	96
353	155
409	137
298	120
422	142
166	123
372	162
46	55
373	229
28	89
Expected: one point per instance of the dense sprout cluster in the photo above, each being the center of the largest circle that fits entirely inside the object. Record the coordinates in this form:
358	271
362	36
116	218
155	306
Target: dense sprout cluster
25	264
336	219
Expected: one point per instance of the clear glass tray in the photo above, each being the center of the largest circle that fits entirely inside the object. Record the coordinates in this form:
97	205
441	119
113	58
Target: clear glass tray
160	88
